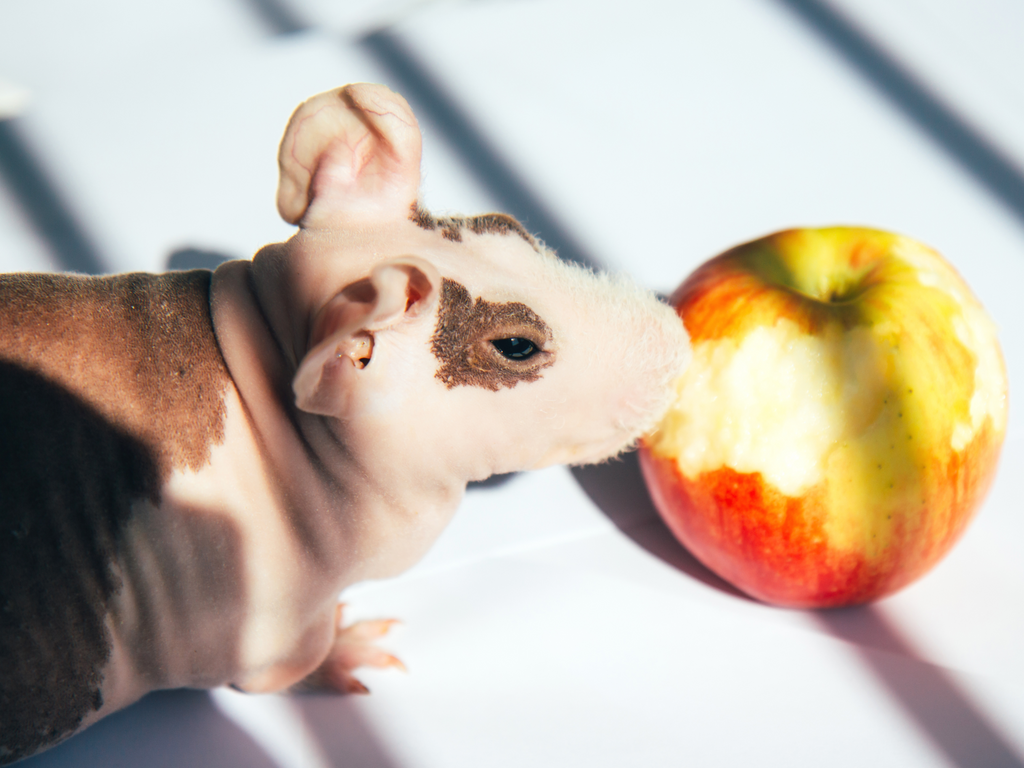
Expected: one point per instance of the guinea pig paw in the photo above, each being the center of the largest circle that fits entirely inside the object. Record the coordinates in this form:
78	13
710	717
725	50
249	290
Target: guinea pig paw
354	647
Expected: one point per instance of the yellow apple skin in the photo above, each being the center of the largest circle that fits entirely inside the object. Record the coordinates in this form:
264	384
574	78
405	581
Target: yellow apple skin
841	420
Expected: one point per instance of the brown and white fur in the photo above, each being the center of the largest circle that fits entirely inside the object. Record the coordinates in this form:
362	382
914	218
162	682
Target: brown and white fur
194	465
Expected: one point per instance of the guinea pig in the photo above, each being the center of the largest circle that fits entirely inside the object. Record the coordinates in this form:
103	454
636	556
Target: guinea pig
195	464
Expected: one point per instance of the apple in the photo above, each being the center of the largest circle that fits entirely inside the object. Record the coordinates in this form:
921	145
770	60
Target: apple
841	420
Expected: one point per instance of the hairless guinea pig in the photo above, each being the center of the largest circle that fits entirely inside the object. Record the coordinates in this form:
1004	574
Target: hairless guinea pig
193	465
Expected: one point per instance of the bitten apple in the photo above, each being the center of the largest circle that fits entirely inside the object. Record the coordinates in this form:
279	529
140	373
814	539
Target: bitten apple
841	420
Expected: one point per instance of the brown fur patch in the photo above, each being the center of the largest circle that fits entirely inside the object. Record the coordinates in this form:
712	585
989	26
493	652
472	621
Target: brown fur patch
106	385
486	224
138	348
465	329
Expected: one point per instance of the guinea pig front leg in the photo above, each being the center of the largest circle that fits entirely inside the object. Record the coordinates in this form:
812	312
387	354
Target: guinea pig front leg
325	659
353	647
308	654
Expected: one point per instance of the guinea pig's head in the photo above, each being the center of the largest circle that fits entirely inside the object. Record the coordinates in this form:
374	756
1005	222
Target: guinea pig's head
456	342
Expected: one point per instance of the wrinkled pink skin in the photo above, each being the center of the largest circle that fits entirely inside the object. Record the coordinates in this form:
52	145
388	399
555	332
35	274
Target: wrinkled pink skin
354	475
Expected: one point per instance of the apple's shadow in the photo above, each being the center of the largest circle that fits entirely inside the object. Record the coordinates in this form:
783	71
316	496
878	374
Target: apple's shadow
619	491
943	711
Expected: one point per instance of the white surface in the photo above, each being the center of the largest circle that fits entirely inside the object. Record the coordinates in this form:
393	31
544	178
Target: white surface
967	52
556	623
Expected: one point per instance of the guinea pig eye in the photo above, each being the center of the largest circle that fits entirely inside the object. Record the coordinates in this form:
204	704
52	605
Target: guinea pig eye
515	348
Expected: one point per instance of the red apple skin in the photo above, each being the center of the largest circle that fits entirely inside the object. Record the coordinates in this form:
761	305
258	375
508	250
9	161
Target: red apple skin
778	548
774	549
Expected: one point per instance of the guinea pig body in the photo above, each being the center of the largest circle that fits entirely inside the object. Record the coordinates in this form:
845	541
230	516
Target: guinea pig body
195	464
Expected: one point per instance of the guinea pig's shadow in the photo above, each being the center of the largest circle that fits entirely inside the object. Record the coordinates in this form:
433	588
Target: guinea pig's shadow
619	491
181	727
494	481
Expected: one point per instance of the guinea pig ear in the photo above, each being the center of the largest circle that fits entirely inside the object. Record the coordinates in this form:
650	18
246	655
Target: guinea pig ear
342	337
353	151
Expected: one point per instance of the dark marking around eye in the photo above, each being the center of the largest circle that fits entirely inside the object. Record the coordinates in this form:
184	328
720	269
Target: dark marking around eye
487	344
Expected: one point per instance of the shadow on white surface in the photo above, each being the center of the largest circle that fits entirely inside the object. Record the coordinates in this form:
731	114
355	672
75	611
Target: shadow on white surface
184	259
43	205
342	732
617	488
192	728
494	481
975	153
278	17
941	709
431	100
172	728
306	730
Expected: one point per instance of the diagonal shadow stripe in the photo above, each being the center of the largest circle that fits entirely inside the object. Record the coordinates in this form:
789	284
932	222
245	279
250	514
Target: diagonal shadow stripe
43	205
428	97
994	169
493	172
278	16
942	711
